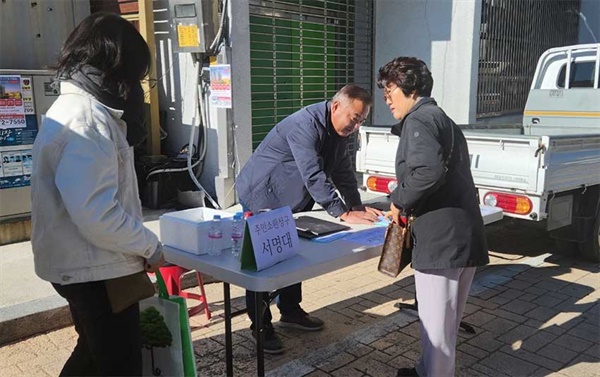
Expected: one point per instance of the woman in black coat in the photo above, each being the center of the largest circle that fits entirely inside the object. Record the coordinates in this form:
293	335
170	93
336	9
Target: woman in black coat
435	185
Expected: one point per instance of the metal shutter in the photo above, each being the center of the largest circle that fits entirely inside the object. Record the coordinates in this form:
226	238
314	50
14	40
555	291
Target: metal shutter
302	52
514	33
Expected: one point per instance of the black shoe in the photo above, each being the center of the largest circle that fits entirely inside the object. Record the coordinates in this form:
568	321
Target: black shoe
403	372
271	342
301	320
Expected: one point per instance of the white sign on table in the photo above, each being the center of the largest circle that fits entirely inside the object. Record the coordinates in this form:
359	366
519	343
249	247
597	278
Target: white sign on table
270	238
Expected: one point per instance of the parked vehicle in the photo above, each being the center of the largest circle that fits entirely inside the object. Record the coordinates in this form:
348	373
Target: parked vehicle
547	170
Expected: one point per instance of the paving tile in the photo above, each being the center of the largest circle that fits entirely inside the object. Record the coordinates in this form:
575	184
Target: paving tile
373	367
538	340
486	294
499	300
594	350
533	358
518	284
518	306
499	325
518	334
583	365
359	350
401	362
518	318
537	291
317	373
553	285
548	300
394	338
336	362
487	371
470	309
13	354
348	371
576	290
572	343
542	313
473	351
486	341
529	297
586	331
58	357
464	360
482	303
563	319
504	363
11	371
479	318
560	354
413	330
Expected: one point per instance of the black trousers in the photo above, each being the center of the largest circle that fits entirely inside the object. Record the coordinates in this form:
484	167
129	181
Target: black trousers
109	344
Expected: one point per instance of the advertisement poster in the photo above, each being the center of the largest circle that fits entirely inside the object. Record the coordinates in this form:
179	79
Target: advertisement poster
18	129
220	86
15	168
12	109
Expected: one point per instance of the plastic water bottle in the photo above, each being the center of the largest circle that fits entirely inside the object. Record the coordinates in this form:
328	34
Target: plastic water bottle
215	234
237	234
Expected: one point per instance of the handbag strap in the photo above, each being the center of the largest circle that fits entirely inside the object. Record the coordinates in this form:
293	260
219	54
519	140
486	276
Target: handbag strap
162	287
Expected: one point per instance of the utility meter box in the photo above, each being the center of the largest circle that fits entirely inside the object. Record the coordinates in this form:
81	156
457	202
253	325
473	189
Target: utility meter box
194	24
25	96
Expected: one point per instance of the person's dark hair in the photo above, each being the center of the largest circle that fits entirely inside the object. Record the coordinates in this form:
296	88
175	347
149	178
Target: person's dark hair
111	44
353	92
409	74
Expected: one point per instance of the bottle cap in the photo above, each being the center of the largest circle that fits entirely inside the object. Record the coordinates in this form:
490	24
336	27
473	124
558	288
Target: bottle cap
217	217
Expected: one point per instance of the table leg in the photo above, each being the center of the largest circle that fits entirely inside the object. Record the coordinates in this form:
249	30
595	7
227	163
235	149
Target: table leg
228	341
259	323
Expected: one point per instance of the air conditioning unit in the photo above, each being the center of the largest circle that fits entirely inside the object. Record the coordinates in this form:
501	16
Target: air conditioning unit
25	96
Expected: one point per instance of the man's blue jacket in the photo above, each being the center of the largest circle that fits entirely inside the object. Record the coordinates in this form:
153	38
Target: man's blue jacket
300	160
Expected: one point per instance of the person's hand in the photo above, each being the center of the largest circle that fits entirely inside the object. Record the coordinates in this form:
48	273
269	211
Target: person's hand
395	215
154	267
372	210
359	217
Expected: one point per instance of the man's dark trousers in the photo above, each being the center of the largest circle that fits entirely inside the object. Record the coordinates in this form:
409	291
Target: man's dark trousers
109	344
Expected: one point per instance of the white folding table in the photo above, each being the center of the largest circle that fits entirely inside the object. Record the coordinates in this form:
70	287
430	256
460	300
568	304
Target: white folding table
313	259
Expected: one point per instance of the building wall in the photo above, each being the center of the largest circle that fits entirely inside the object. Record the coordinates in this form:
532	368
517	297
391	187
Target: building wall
31	35
591	10
445	35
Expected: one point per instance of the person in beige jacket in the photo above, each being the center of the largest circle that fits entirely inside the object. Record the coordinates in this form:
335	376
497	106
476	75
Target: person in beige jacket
87	226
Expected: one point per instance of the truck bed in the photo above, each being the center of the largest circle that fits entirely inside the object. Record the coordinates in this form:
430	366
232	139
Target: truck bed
527	164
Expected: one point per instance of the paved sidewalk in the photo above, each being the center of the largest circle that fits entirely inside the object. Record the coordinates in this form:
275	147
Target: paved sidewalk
535	315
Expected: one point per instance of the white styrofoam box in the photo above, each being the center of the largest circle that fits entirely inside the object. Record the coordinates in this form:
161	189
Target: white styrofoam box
188	230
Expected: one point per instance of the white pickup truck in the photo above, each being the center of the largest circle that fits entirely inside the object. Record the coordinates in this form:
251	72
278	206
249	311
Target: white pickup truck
547	170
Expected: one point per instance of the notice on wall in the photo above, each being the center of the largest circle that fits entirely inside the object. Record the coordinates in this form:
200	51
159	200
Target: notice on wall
18	129
15	167
12	109
220	86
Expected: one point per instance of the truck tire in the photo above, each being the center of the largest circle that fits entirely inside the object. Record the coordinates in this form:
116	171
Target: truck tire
590	249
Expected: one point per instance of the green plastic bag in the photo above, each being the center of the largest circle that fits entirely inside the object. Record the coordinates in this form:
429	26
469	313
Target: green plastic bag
178	359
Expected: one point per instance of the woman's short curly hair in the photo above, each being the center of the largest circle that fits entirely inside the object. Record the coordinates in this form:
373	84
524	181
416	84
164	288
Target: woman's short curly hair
409	74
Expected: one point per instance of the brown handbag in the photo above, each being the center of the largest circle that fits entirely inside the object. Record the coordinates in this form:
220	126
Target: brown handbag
396	253
125	291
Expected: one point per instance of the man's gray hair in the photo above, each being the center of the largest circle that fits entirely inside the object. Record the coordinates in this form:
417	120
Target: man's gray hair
353	92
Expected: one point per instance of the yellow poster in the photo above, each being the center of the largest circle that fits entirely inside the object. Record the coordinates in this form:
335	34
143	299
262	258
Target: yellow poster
188	36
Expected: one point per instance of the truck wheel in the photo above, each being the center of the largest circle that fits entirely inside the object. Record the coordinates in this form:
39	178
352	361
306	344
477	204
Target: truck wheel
590	249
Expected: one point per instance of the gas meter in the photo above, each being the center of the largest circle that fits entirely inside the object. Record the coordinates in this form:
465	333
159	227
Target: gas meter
193	24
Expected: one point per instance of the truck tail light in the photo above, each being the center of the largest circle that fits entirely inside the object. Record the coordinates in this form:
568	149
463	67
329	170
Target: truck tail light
381	184
517	204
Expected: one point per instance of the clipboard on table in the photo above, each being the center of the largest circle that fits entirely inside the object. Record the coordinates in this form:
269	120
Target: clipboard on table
310	227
